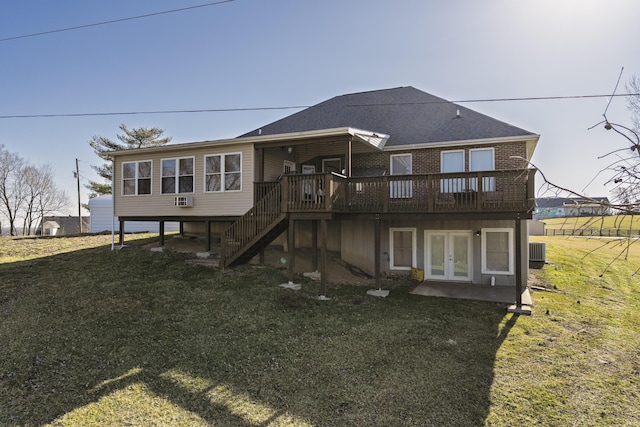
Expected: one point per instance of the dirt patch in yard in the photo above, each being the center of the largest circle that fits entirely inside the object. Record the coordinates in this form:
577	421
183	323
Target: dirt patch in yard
338	271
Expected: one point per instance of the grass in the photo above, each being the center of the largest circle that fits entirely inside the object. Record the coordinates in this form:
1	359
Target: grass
624	223
129	337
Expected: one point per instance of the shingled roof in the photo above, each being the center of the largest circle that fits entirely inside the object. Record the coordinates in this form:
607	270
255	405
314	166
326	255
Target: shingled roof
410	116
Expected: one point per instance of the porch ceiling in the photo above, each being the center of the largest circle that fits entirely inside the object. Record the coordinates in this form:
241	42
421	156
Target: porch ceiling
364	141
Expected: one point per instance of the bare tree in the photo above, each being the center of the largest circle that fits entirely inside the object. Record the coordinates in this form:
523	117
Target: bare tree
27	192
633	101
11	191
42	196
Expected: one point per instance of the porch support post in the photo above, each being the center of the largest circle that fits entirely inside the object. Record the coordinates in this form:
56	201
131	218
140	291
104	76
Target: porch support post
518	308
518	262
347	162
161	229
376	233
182	228
291	244
314	245
121	236
207	226
323	257
223	250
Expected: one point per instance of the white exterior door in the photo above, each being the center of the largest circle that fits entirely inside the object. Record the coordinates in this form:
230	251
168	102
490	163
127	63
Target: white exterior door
448	255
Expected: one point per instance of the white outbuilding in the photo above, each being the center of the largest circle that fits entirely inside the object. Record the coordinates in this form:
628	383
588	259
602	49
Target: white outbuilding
102	219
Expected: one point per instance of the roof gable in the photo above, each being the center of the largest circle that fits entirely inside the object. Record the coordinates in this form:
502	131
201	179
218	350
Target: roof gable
410	116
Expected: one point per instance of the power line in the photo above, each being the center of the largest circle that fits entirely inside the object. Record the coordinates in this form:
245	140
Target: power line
131	18
298	107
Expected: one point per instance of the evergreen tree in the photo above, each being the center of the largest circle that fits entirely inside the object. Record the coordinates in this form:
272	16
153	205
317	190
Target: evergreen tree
128	139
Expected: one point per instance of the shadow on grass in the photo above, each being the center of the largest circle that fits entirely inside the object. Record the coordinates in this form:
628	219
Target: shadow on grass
91	336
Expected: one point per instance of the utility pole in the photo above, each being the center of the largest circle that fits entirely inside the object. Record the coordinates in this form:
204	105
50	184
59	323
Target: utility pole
79	207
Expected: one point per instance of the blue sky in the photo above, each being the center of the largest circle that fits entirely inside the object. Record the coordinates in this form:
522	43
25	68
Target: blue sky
269	53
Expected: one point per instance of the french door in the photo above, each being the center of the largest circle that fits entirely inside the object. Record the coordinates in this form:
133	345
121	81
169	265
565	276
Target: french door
448	255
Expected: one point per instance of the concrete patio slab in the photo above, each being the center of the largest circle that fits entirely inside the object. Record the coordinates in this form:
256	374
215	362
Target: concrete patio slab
501	294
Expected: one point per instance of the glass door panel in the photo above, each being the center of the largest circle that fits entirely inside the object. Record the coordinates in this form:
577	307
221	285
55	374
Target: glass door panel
436	255
460	258
448	255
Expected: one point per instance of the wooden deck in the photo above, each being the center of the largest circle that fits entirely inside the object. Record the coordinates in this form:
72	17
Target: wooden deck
488	191
320	195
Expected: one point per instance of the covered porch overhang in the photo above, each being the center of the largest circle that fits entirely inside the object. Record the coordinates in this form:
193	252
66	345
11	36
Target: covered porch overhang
302	147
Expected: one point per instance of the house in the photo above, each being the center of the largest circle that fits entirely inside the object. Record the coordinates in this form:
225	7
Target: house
62	225
561	207
391	179
102	219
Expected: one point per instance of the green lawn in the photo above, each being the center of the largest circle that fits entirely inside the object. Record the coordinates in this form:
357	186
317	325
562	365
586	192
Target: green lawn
623	223
94	337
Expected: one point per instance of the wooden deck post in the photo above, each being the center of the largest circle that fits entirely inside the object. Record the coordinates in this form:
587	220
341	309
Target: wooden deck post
208	236
314	245
291	244
518	262
223	249
161	229
518	308
121	235
323	257
376	232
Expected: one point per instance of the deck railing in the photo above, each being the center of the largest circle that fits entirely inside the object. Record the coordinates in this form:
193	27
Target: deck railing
486	191
264	212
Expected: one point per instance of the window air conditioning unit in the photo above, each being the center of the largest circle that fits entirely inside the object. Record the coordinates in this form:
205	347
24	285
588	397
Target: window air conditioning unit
183	201
537	252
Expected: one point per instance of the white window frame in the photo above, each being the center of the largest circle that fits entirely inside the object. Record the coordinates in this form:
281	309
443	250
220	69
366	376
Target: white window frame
332	159
488	182
288	164
177	176
452	185
442	154
222	173
410	155
510	233
137	178
401	189
414	247
493	159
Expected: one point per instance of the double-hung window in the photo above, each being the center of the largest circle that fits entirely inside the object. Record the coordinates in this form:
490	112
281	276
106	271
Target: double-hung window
482	159
497	251
136	178
223	172
450	162
401	164
402	242
177	175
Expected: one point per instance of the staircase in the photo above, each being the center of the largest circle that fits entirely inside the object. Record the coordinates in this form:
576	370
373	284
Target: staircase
254	230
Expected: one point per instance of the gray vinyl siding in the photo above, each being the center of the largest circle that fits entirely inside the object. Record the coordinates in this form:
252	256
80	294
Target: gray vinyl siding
231	203
357	245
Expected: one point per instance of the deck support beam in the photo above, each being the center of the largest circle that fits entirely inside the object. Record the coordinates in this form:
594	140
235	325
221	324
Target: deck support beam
161	231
